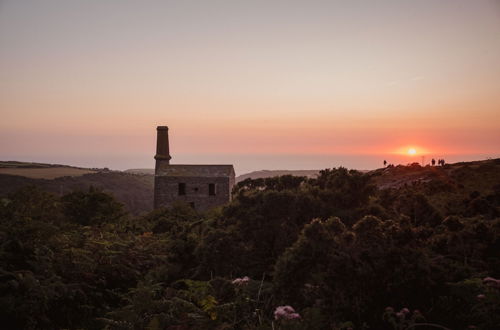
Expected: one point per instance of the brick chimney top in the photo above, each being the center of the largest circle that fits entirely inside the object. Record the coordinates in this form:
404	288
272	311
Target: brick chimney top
162	147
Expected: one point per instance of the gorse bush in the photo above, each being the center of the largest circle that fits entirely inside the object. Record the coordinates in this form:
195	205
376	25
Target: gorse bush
92	207
332	252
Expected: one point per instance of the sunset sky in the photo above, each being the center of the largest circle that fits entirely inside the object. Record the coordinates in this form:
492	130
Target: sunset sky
259	84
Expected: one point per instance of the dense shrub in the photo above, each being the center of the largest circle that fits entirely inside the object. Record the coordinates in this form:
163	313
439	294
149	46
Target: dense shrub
332	252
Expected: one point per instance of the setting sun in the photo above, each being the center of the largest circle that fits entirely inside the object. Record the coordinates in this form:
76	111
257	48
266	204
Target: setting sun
411	151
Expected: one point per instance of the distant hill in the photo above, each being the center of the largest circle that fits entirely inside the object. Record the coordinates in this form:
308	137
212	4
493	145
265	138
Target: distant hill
134	187
16	164
271	173
135	191
252	175
149	171
42	170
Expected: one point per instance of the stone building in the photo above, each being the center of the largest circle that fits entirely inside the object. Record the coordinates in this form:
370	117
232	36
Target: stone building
201	186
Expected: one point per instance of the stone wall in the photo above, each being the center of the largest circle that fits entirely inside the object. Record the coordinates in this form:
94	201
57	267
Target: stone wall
197	191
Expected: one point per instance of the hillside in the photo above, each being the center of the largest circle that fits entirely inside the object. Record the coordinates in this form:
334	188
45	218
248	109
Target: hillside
133	190
134	187
251	175
42	171
477	175
272	173
149	171
333	251
16	164
466	187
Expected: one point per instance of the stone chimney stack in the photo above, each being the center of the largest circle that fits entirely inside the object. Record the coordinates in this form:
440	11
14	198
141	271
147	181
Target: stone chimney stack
162	148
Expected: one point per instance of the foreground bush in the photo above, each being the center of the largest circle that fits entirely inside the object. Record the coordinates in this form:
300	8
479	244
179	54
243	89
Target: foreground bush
288	253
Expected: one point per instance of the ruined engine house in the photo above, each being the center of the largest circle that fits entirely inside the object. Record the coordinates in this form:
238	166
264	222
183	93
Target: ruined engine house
201	186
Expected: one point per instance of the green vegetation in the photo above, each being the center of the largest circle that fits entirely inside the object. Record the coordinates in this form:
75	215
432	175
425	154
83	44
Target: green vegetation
133	190
45	173
332	252
15	164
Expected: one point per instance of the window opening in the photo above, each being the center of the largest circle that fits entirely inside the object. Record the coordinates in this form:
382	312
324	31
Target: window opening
182	189
211	189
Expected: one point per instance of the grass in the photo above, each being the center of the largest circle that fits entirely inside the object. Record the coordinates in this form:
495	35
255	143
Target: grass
45	173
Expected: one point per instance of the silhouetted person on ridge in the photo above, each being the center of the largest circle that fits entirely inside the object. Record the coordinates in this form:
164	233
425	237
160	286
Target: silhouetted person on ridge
385	162
433	161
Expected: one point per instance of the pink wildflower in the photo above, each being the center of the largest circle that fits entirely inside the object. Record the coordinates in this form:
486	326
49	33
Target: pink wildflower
480	296
493	282
405	311
285	313
241	281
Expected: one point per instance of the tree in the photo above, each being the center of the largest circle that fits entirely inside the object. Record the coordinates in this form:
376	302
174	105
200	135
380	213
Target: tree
92	207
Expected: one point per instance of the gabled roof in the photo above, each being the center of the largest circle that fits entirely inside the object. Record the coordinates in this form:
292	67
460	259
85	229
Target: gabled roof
195	170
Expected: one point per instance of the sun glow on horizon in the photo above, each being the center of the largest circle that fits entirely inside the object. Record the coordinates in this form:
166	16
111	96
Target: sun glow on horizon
411	151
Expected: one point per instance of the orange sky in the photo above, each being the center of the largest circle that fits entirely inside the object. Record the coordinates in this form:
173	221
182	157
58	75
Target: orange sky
83	81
